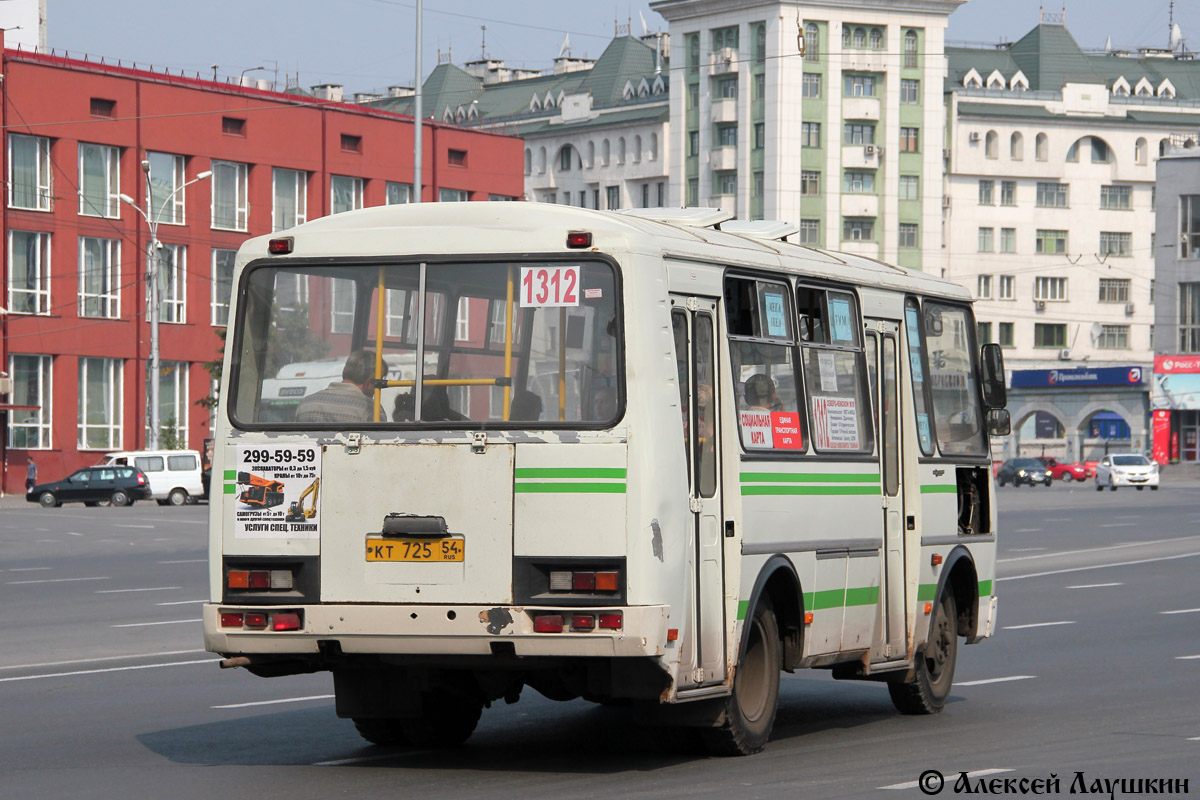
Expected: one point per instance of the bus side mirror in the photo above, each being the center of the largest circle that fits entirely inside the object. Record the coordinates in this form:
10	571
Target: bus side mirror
998	422
994	393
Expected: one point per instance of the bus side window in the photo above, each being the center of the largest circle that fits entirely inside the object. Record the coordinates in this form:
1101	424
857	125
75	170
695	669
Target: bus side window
834	372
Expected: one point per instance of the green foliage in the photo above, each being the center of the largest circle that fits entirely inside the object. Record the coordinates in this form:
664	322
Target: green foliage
168	435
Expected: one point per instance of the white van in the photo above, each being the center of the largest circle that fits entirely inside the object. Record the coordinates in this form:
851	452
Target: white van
174	475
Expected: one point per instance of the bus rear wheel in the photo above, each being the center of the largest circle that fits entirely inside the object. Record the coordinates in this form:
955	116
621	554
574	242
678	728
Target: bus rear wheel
749	712
383	732
929	688
447	719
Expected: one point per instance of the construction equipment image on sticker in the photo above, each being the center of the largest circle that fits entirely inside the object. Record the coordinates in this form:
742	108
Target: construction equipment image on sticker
278	490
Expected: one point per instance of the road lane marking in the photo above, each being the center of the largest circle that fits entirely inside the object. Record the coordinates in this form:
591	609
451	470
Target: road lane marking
145	624
150	589
1186	658
996	680
29	569
1101	549
1027	530
150	527
1181	611
108	669
1096	566
1119	525
1027	550
1058	519
186	561
103	658
979	773
57	580
73	533
275	702
181	602
1038	625
1094	585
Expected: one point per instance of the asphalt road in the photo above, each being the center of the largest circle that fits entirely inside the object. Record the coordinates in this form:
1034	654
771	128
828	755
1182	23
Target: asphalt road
105	692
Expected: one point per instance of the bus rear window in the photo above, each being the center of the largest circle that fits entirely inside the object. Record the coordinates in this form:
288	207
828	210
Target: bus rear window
335	346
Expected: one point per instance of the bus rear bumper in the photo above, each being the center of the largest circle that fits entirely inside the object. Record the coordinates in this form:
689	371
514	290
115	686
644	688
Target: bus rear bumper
437	630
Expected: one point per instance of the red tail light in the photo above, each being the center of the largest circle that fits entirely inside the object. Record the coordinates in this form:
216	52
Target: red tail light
280	247
548	623
231	620
256	620
285	621
583	582
579	239
260	579
611	622
583	622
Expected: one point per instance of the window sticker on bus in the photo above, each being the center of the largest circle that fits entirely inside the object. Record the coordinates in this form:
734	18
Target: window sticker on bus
828	368
785	430
839	312
593	294
913	324
757	432
918	375
923	432
549	287
835	423
776	313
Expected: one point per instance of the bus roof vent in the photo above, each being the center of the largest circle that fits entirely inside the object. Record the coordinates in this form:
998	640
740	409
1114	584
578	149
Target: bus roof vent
691	217
761	228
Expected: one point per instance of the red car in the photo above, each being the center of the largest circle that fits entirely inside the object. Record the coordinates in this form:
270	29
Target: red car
1065	472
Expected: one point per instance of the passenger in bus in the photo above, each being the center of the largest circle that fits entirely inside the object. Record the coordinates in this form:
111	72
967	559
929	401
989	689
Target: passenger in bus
604	403
525	406
349	400
435	405
760	394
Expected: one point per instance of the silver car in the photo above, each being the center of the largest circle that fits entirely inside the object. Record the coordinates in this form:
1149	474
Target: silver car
1126	469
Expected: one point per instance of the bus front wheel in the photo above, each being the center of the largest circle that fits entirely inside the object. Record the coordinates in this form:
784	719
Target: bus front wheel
750	710
929	688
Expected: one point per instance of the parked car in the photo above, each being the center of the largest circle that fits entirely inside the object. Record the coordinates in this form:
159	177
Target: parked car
1126	469
120	486
1023	470
1064	472
176	474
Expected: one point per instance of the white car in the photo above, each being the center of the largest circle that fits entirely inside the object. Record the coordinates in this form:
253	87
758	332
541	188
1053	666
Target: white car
1126	469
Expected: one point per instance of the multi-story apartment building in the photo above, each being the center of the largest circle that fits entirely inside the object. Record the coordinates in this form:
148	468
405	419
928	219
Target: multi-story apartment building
1049	219
79	138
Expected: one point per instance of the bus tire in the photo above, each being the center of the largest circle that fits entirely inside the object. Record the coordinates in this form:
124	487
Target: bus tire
750	709
383	732
447	719
933	674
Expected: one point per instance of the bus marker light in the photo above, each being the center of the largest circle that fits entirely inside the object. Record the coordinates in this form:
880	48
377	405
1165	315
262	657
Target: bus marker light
260	579
285	621
579	239
606	582
583	582
256	619
231	620
560	581
281	579
808	618
937	559
239	579
672	634
611	622
583	622
280	247
928	609
548	623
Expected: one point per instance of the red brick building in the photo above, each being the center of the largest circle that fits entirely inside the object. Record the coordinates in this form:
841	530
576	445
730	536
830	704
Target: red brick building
76	133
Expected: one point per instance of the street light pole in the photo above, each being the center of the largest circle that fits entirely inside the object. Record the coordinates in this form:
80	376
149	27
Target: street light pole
152	219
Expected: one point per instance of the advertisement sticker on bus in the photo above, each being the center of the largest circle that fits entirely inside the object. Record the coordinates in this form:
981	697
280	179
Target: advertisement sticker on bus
777	326
785	430
835	423
839	314
277	491
549	287
828	368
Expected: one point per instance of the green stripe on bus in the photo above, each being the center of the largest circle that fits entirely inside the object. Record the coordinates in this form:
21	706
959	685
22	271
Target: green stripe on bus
761	490
926	591
569	488
231	474
866	596
985	588
743	607
938	488
569	472
810	477
231	488
830	598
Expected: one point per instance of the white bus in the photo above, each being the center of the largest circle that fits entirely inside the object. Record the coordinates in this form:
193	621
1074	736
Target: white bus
649	461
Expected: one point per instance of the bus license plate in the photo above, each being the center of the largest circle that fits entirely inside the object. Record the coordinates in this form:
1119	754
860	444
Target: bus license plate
439	550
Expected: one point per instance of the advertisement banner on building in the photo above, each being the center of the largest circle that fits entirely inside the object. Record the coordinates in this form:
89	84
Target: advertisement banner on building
1131	375
1161	436
1176	383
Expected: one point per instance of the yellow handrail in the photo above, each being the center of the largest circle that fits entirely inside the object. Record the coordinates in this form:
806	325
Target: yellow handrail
379	300
508	337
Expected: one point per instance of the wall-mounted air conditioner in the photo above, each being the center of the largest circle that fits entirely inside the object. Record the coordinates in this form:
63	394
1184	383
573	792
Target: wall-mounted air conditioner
973	137
1040	305
868	150
1064	354
1129	309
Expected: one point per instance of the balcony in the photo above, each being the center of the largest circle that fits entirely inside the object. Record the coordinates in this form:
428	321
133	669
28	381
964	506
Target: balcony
854	60
861	156
860	205
860	248
860	108
724	109
723	61
723	159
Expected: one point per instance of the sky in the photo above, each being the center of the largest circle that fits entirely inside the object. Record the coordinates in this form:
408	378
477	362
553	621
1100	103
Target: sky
368	45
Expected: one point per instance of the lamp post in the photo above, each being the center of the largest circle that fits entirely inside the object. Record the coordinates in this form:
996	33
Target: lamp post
247	69
152	218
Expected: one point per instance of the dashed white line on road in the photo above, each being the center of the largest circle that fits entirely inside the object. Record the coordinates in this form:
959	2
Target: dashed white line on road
1094	585
1038	625
1058	519
73	533
102	658
186	561
1027	549
1119	525
996	680
1102	549
275	702
151	527
107	669
181	602
1096	566
1186	658
1182	611
29	569
149	589
1027	530
979	773
57	580
145	624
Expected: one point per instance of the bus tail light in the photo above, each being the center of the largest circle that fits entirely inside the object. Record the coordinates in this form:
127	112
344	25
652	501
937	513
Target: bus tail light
548	623
285	621
611	621
260	579
585	581
583	622
289	620
281	247
256	619
231	619
579	239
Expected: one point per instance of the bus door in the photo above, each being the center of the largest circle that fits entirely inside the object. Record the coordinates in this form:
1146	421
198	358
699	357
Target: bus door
883	356
694	323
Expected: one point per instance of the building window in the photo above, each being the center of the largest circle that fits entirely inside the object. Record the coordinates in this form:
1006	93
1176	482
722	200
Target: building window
860	85
693	143
172	283
910	92
1050	288
1051	195
103	108
229	193
760	87
760	135
29	172
910	187
232	126
856	230
346	193
727	135
1016	146
1115	197
1115	243
1113	337
456	158
910	49
29	429
693	50
1151	337
726	183
859	133
462	320
341	305
876	39
986	240
564	159
1189	317
983	287
99	277
662	195
727	88
457	196
99	180
986	196
172	400
1008	240
291	198
811	86
1004	331
612	197
645	195
1041	147
810	134
693	96
1152	291
810	232
353	144
1007	286
984	332
908	235
1114	290
1189	226
28	272
1051	242
693	191
812	42
991	145
725	37
759	184
1008	193
398	193
810	183
100	412
858	181
166	184
760	43
1049	335
222	284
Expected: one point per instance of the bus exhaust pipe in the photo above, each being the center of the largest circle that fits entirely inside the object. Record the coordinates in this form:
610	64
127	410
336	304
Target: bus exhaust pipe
236	661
